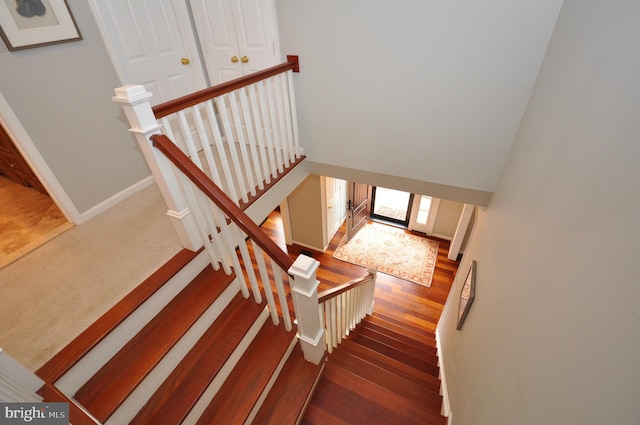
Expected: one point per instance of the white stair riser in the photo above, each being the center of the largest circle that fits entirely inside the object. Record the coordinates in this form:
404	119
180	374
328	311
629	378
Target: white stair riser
80	373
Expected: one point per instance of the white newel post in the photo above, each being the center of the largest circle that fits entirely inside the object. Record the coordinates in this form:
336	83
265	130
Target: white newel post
135	103
305	301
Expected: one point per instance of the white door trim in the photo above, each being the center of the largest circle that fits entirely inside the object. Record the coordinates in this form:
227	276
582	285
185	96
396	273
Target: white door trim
32	156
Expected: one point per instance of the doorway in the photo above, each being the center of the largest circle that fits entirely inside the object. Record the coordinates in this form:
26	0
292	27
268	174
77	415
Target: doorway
28	216
391	205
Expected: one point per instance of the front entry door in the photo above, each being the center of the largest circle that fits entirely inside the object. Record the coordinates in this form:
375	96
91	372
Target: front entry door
153	45
358	207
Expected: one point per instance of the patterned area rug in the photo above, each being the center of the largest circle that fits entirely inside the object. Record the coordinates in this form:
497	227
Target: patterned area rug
394	252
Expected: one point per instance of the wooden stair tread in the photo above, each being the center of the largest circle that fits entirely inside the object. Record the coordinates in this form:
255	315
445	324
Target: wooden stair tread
421	364
109	387
400	326
423	378
59	364
425	353
398	333
291	391
177	395
375	405
386	379
245	384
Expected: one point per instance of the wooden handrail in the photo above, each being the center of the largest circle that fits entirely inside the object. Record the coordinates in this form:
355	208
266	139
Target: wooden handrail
213	192
167	108
334	292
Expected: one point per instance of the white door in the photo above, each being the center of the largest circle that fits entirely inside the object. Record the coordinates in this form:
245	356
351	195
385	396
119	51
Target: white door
423	213
153	45
336	200
237	36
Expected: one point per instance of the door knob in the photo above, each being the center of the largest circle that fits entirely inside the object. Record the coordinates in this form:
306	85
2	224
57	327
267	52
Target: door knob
234	59
245	59
185	61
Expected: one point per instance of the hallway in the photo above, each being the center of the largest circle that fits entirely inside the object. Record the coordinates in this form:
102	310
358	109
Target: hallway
28	219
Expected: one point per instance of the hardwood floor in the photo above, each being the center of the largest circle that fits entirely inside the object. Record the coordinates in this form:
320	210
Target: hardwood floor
415	304
386	371
28	219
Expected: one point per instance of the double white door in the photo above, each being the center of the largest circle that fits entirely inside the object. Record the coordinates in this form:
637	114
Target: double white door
153	43
237	37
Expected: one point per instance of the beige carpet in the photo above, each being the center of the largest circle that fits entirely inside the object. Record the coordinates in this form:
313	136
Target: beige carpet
55	292
393	251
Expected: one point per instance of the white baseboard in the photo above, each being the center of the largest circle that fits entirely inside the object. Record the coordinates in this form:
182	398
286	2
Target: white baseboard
435	235
446	408
117	198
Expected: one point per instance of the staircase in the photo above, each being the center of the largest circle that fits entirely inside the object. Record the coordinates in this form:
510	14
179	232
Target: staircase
383	373
208	355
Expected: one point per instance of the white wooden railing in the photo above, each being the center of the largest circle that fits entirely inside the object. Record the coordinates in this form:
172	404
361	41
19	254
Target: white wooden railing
211	153
344	306
243	134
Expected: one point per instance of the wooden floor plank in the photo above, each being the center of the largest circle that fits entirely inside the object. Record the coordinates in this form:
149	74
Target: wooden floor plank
177	395
245	384
111	385
404	311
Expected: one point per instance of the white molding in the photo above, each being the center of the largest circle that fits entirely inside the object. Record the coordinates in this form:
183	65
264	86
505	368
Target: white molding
433	213
117	198
36	162
446	407
461	231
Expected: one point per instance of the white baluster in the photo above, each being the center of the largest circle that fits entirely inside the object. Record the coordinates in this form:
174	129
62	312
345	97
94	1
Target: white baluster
228	132
266	283
294	116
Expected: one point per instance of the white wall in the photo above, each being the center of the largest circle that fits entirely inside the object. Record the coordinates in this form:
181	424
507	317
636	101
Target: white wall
61	94
553	336
430	90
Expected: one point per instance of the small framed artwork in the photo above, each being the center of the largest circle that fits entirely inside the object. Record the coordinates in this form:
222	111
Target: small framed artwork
467	295
25	24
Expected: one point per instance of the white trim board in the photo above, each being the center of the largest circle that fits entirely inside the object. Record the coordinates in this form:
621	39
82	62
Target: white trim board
446	408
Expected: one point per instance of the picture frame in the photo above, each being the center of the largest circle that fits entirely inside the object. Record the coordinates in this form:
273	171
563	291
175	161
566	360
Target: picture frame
25	24
467	295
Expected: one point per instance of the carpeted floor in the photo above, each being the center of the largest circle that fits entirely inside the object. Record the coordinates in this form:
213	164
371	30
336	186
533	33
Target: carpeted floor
55	292
392	251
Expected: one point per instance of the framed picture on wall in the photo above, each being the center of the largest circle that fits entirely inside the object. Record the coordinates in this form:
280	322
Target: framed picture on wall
25	24
467	295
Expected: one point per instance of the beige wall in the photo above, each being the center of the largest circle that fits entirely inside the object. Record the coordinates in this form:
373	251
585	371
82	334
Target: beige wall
305	209
434	90
61	94
447	218
553	336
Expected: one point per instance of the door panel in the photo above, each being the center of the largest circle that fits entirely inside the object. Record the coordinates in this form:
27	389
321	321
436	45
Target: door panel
358	207
148	42
255	35
235	29
216	32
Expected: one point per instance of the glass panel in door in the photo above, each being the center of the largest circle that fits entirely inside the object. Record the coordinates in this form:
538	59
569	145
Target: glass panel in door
391	205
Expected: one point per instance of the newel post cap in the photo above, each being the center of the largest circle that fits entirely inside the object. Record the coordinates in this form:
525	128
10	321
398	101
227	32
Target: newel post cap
131	94
304	267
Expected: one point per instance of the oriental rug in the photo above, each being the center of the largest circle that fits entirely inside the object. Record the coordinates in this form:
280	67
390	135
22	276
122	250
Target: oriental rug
392	251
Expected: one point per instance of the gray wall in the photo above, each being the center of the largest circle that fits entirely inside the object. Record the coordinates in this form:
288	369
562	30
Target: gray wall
61	95
553	336
429	90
